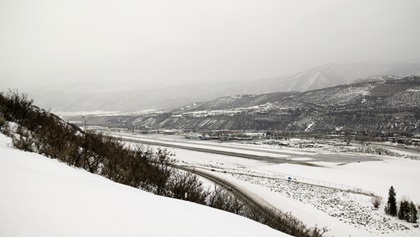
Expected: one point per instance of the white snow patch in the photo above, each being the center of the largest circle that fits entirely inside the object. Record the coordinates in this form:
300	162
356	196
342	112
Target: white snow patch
42	197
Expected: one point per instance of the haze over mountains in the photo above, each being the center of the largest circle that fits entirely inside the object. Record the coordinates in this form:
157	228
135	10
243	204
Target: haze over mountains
128	98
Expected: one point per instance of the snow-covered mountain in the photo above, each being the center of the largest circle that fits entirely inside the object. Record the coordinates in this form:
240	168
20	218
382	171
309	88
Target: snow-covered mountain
374	104
42	197
134	98
379	92
340	74
330	75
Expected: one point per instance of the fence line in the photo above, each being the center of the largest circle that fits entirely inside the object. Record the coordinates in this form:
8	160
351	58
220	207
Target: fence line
322	183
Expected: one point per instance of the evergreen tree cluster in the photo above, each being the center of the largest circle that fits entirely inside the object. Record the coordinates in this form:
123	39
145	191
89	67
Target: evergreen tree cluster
407	210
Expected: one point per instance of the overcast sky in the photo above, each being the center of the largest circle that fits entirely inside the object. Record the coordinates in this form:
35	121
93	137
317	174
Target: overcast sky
165	42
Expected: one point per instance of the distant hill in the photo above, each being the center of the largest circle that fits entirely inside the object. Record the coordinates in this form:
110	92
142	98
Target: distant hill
130	98
373	104
378	92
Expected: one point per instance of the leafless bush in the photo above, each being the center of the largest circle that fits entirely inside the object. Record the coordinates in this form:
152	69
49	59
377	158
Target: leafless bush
376	201
23	140
187	186
284	222
223	200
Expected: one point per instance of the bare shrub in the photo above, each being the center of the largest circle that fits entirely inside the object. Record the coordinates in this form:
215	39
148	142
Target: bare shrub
376	201
23	140
284	222
187	186
221	199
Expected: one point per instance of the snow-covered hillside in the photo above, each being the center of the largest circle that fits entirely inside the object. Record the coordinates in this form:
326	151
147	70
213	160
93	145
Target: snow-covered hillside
42	197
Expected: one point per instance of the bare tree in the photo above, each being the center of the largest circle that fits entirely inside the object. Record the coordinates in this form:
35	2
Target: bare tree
376	201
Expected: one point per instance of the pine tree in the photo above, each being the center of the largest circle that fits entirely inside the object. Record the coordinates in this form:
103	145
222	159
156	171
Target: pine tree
413	213
404	212
391	207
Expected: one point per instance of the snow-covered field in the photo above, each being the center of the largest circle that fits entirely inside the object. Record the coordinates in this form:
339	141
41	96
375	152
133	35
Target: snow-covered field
42	197
315	195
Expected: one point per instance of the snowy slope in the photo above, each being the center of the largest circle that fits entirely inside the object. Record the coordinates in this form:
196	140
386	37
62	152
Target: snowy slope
42	197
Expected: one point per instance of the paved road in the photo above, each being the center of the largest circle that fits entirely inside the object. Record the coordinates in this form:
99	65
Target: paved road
252	202
240	194
264	209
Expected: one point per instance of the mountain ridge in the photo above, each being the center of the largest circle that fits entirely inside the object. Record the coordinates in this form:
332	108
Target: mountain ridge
132	99
390	104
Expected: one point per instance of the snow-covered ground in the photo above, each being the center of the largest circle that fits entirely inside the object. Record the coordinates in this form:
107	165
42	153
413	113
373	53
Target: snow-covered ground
315	195
42	197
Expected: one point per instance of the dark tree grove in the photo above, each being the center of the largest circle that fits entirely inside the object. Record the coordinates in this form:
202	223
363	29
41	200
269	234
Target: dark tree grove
407	211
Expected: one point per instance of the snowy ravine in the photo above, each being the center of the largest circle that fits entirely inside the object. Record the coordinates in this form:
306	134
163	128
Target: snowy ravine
42	197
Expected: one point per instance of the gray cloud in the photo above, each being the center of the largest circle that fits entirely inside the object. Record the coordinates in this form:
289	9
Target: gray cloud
166	42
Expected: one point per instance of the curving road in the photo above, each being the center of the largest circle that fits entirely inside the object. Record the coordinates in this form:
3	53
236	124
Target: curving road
264	209
239	193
